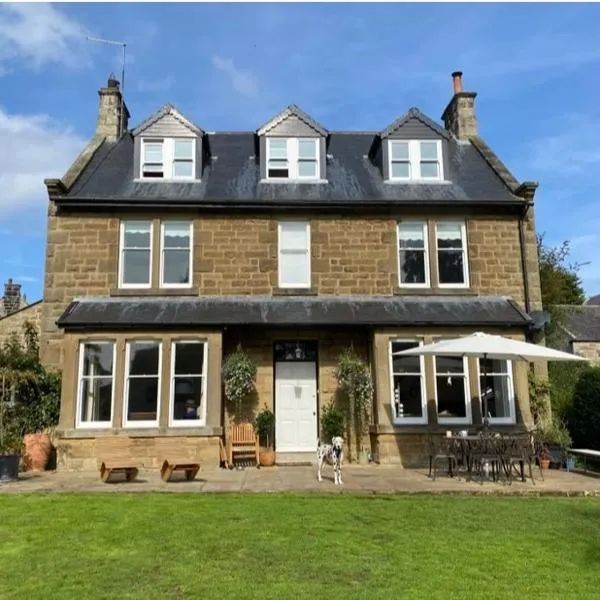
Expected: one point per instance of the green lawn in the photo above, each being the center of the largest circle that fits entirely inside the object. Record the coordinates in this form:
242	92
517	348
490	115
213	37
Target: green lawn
173	546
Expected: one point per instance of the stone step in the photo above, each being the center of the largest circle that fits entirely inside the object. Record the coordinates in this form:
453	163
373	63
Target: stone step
295	459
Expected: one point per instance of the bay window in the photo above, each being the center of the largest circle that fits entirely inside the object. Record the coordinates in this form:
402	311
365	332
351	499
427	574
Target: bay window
496	383
188	383
409	404
452	389
142	383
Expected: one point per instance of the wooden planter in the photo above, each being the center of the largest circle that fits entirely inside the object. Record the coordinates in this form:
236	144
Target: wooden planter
37	451
266	457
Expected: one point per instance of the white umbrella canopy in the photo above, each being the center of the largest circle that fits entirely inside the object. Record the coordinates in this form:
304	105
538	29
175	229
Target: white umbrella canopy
494	347
484	345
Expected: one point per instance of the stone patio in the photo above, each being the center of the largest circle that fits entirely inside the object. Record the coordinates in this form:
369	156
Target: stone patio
371	479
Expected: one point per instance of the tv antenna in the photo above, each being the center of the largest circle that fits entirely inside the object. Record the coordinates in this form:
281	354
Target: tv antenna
123	46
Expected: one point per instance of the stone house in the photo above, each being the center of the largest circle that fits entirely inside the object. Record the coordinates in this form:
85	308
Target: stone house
580	328
169	245
15	311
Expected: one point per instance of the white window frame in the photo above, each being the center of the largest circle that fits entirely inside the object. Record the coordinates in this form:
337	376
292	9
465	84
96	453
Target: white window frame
79	424
465	248
414	161
122	249
408	420
293	158
468	420
281	252
201	421
168	158
163	250
425	250
511	419
141	424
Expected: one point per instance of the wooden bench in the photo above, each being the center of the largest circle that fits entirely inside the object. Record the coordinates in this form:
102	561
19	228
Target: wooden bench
173	455
223	460
242	440
114	456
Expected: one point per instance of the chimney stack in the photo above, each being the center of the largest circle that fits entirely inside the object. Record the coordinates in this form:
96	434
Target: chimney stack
459	116
109	123
12	299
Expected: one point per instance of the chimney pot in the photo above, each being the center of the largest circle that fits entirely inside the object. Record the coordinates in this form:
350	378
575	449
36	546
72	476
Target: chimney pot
113	82
457	82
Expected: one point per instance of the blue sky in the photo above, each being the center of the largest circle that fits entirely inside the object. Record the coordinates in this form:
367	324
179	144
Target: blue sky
350	66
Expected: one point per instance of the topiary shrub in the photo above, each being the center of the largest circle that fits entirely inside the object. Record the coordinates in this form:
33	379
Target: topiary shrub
584	416
332	422
239	377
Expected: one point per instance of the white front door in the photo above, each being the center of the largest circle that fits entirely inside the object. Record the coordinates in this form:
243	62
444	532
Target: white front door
295	406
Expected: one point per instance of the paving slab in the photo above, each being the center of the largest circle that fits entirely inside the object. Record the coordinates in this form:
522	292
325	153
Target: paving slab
366	479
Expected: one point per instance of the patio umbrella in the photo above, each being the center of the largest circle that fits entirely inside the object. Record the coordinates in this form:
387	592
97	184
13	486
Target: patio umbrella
486	346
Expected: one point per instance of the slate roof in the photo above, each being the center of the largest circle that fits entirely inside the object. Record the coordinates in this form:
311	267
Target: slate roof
582	323
593	301
126	313
232	177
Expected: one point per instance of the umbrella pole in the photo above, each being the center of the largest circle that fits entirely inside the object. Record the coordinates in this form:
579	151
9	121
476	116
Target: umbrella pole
485	395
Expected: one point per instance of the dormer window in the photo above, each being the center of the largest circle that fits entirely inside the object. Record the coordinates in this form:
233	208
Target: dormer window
168	158
293	158
415	160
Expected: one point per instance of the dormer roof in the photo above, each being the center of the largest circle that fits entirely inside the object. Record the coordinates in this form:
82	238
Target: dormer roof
167	110
414	113
293	111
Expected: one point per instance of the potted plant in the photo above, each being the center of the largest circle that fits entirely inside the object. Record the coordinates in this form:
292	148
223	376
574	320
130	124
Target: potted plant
332	424
544	456
239	377
264	426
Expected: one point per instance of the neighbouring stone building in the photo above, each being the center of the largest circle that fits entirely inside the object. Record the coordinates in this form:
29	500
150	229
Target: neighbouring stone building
581	329
168	246
15	311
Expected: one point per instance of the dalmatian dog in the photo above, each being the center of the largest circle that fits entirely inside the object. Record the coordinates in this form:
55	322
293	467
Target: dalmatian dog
335	452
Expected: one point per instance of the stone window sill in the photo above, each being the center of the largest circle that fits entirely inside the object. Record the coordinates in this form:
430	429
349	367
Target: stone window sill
116	292
207	431
295	292
431	291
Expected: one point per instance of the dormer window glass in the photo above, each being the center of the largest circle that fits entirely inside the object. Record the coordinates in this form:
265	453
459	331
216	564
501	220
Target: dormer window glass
168	158
415	160
152	165
293	158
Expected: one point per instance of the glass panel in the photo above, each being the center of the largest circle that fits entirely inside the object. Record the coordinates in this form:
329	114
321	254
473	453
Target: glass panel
189	358
136	267
399	150
183	149
176	266
176	235
142	400
449	235
429	170
449	364
429	151
406	364
400	170
411	235
183	168
96	399
143	358
277	148
296	351
153	152
412	266
294	236
137	234
294	269
187	396
451	397
97	359
494	366
307	149
451	266
307	168
407	397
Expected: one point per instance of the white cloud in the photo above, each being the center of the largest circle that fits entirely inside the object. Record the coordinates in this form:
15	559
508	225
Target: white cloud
26	279
244	82
39	34
156	85
34	147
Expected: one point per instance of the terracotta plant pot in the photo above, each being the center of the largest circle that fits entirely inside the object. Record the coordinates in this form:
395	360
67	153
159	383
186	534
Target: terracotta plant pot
545	463
37	451
266	456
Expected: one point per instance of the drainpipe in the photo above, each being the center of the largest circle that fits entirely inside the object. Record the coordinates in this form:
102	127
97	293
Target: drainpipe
524	266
